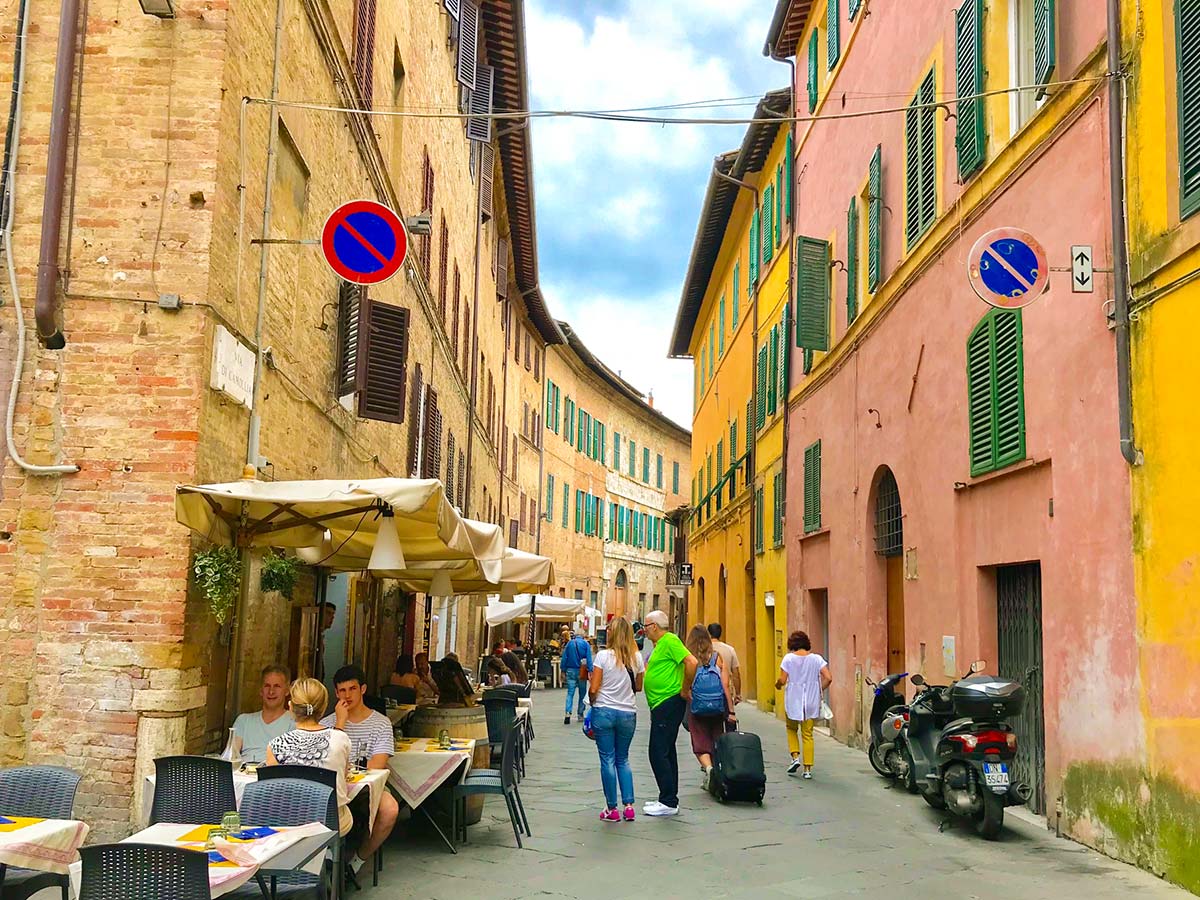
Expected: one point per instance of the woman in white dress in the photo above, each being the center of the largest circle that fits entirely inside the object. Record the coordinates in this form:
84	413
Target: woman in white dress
803	676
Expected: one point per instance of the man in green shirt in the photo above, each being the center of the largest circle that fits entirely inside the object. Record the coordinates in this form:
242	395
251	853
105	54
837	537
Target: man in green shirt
668	683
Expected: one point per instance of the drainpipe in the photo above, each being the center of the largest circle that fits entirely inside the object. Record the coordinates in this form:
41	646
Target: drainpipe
45	306
1120	250
751	429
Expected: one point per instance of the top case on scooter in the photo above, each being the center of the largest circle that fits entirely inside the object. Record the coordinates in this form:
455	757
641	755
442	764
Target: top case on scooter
738	770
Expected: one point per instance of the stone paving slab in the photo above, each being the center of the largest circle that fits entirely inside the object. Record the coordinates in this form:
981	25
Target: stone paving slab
846	833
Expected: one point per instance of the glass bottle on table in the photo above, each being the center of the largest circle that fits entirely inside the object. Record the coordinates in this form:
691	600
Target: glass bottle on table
233	749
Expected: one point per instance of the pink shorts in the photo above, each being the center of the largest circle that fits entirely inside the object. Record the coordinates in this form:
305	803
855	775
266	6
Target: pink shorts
704	731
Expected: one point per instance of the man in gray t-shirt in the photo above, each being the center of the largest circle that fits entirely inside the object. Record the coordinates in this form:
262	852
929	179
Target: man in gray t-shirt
256	730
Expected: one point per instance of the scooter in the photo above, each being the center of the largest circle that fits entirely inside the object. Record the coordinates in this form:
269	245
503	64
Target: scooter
960	748
889	714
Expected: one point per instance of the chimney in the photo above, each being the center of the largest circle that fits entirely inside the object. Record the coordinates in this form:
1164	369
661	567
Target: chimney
650	400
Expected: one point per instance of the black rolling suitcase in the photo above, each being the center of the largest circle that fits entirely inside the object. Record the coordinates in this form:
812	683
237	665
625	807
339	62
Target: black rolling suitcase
738	772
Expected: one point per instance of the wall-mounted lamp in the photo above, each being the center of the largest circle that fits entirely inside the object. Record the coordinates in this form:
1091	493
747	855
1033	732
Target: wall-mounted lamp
162	9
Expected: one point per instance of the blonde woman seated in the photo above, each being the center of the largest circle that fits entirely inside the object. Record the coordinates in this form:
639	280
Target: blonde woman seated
312	744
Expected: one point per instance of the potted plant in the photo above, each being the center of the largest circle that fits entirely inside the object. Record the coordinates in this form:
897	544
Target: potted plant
279	573
218	573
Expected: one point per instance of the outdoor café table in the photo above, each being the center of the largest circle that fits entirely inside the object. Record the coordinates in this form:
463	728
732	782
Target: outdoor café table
420	767
47	845
286	850
398	715
375	780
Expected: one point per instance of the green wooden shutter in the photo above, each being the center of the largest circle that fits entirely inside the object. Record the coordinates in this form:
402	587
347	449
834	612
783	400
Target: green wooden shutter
645	465
812	294
875	221
674	478
833	32
777	491
970	140
1045	43
788	170
737	290
566	504
557	397
812	487
996	391
979	397
578	511
785	343
617	450
813	49
712	349
550	497
778	204
1187	78
920	152
853	8
772	367
549	399
768	230
721	329
758	520
852	262
761	411
753	255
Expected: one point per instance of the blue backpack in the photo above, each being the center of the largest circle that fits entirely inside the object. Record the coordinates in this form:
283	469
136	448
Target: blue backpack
708	696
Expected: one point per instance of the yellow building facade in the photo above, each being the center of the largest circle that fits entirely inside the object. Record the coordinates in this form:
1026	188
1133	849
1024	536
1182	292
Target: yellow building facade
732	324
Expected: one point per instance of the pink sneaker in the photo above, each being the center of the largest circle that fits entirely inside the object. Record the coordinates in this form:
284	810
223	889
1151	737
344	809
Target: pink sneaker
628	813
610	815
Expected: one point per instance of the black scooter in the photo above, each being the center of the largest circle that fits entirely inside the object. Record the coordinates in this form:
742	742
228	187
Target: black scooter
889	713
960	748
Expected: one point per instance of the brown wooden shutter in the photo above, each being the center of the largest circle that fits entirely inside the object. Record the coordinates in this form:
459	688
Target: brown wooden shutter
468	43
350	298
443	268
363	57
521	511
383	336
452	326
514	457
502	269
479	126
462	480
415	426
537	364
466	342
449	484
431	462
457	291
426	240
528	341
487	187
504	451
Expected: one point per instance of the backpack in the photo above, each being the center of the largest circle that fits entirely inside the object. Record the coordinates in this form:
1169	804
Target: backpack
708	695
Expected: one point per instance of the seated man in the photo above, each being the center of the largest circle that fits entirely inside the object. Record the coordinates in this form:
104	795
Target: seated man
372	743
256	730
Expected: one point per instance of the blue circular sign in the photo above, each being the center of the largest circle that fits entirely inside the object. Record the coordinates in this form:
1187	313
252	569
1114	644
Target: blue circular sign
364	242
1007	268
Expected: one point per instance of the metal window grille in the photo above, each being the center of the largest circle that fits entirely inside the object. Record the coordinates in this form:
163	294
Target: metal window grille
889	518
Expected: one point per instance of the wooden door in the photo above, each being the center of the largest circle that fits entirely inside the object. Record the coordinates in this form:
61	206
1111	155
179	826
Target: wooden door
895	614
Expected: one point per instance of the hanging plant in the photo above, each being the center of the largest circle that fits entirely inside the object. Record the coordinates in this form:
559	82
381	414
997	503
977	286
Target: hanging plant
279	573
219	576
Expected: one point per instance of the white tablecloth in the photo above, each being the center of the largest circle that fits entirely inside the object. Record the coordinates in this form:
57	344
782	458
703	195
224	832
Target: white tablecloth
48	845
375	781
281	853
420	767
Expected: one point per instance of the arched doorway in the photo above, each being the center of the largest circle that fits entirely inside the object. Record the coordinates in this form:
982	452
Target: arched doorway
889	545
722	600
620	593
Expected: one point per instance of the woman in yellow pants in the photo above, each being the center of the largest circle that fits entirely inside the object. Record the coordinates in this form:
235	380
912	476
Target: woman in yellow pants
803	676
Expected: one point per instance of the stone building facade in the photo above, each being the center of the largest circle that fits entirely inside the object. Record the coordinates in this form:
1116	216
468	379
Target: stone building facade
186	212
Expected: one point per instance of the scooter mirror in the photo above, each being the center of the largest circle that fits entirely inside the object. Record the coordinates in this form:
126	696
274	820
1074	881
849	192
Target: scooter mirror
916	679
978	666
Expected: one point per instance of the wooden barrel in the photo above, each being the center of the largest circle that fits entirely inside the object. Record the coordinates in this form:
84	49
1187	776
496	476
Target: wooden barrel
469	722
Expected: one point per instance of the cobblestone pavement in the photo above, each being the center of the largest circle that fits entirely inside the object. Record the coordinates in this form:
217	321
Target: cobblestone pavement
844	833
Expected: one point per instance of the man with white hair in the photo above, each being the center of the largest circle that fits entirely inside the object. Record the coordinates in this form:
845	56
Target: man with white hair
667	684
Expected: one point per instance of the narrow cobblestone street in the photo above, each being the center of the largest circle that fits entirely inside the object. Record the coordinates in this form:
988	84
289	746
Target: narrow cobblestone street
842	834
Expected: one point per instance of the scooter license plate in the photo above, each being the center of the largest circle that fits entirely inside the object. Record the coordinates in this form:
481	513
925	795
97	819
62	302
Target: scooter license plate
995	774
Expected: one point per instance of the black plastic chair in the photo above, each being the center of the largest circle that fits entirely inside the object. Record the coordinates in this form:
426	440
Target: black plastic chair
192	790
501	715
42	792
143	872
288	802
404	695
502	781
375	702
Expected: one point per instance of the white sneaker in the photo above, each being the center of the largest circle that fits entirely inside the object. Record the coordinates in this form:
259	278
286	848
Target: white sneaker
652	804
794	767
661	810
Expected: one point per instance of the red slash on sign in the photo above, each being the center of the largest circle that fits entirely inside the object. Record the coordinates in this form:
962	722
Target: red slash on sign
364	242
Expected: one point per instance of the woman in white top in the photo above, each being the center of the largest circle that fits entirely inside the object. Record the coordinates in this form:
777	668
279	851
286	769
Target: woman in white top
617	673
312	744
804	676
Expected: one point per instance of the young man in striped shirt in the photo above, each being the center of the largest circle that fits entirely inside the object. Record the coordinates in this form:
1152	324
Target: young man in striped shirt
372	743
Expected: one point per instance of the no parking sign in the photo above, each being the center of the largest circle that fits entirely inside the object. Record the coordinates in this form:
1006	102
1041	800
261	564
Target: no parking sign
364	242
1007	268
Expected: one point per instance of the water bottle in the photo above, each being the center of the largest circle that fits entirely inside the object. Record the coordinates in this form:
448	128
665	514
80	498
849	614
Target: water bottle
233	749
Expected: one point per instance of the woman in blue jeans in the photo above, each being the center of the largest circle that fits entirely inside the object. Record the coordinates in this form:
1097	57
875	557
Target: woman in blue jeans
616	676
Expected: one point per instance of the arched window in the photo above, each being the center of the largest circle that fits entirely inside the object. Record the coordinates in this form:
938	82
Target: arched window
996	391
889	518
622	580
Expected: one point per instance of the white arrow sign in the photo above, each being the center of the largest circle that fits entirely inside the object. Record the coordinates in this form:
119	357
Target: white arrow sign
1082	281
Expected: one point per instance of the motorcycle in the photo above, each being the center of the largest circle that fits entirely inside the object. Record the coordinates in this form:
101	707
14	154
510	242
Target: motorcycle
959	747
889	714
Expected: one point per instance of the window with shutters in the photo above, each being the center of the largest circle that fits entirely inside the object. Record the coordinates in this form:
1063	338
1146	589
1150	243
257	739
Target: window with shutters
996	391
443	267
737	288
383	361
712	349
703	369
761	388
479	126
363	57
350	298
768	227
466	343
658	471
449	483
468	43
521	510
781	367
674	478
550	497
632	459
514	457
566	498
772	365
789	164
833	32
1032	56
812	488
528	361
1187	81
754	255
425	246
778	204
970	138
812	294
920	162
533	516
875	220
462	481
814	51
537	364
721	329
579	511
617	450
852	262
777	510
758	520
645	465
431	444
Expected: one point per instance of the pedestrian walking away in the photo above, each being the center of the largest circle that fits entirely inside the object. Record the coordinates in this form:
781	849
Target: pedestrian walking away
730	658
576	665
711	704
617	675
803	676
669	674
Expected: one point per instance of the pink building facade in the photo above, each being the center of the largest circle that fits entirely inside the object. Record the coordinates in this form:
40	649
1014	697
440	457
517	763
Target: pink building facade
956	488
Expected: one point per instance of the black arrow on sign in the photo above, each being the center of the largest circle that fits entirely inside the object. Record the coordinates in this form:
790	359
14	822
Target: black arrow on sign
1081	258
1082	280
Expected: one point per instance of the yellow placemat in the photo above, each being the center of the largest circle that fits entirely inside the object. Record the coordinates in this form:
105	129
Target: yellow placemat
355	779
16	823
199	834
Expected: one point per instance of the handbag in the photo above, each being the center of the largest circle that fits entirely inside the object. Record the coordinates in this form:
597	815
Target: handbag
588	730
826	712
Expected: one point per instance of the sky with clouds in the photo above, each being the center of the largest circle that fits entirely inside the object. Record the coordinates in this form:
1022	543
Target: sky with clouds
618	203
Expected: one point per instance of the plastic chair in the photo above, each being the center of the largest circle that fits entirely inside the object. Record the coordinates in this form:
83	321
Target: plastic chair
192	790
284	802
502	781
42	792
143	872
375	702
403	695
501	714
